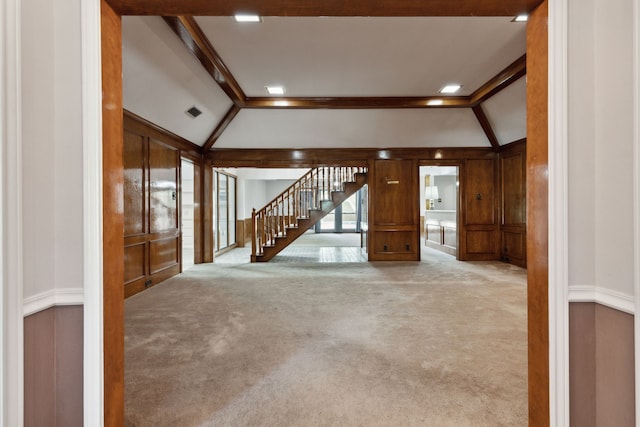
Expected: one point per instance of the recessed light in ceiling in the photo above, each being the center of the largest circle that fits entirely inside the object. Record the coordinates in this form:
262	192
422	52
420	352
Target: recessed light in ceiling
520	18
450	88
193	112
275	90
243	17
435	102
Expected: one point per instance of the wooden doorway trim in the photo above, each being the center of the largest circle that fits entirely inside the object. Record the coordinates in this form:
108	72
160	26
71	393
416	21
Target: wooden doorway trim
113	256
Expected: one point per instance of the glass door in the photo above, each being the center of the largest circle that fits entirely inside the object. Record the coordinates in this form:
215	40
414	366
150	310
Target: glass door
224	223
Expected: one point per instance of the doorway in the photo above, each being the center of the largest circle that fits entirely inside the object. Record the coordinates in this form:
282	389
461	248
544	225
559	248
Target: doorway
439	196
186	214
538	277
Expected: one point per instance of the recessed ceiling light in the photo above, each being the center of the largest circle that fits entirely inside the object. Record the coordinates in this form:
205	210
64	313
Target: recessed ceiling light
450	88
275	90
434	102
520	18
247	18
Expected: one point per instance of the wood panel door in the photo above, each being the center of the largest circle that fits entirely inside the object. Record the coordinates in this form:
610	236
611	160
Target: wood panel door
479	238
393	211
151	227
513	227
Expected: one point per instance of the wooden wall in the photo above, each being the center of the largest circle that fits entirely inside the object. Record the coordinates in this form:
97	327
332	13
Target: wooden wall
513	221
152	231
394	218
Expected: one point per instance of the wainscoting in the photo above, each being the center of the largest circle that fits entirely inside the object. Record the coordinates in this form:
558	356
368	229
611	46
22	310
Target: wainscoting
53	367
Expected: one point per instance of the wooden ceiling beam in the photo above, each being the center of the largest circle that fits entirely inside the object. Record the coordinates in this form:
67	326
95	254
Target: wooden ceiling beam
356	102
500	81
486	126
217	132
278	158
325	7
188	30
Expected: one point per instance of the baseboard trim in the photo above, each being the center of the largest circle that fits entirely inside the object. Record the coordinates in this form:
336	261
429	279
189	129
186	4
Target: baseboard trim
612	299
51	298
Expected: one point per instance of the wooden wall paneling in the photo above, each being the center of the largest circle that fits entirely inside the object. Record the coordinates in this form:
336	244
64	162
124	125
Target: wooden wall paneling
207	214
393	211
113	216
537	215
198	223
478	228
513	224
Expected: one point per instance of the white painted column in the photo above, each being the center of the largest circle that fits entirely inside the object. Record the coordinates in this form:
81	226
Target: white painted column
11	321
636	196
558	215
92	194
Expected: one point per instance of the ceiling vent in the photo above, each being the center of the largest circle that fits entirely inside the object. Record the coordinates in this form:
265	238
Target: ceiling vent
193	112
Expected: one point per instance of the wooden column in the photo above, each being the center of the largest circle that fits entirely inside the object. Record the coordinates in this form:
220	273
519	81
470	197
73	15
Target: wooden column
537	215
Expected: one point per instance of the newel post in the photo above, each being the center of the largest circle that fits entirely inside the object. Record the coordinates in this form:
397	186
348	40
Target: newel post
254	234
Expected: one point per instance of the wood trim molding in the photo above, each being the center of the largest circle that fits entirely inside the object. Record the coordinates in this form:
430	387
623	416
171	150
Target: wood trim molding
357	102
112	218
188	30
538	303
486	126
509	75
327	8
217	132
136	123
278	158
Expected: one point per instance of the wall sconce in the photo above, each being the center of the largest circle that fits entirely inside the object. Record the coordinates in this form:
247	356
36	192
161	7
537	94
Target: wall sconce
430	194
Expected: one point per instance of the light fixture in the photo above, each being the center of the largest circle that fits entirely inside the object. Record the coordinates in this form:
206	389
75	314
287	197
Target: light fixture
451	88
435	102
275	90
247	18
431	194
520	18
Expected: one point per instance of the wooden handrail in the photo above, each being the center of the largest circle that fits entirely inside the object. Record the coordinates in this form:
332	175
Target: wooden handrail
296	202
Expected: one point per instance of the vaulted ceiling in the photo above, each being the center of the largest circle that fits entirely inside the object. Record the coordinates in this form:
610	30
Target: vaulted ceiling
357	82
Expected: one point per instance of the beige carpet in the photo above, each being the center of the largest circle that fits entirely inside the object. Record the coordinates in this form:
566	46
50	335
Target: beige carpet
435	343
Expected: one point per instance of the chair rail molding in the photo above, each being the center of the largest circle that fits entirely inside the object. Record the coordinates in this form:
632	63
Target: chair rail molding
11	293
52	298
603	296
558	216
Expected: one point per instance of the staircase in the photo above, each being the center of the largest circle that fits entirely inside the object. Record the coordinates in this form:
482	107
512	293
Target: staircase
300	207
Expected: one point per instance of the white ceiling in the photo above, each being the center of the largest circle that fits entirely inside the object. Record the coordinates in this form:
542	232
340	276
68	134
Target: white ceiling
337	56
328	56
162	80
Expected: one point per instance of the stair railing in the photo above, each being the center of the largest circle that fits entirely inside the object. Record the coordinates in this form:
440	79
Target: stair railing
296	202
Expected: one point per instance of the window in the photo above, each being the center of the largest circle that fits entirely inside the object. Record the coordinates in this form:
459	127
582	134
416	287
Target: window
224	223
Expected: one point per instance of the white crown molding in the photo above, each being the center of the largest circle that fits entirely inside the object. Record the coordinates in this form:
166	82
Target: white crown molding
603	296
51	298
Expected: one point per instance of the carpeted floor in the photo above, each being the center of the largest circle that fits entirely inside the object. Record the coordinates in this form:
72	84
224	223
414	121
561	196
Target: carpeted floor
432	343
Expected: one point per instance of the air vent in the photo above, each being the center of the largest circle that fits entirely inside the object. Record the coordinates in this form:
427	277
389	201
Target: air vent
193	112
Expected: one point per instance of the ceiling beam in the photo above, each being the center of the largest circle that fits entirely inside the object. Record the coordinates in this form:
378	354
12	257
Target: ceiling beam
356	102
325	7
501	80
217	132
279	158
188	30
486	126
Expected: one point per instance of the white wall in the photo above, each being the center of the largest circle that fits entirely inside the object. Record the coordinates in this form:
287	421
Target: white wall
52	151
601	148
